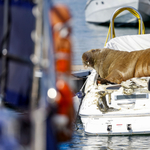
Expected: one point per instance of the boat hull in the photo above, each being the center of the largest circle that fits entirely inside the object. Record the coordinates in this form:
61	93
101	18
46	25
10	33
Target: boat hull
96	12
121	125
126	113
144	9
133	112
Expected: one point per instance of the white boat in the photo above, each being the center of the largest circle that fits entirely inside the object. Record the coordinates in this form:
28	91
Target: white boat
100	11
118	109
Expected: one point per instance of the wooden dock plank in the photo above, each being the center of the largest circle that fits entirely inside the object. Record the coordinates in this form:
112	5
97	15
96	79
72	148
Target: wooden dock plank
80	67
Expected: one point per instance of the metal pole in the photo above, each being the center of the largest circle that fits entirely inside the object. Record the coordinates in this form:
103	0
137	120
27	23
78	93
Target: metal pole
38	113
112	18
4	50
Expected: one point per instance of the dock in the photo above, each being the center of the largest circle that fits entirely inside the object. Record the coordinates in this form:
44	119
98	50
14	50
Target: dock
79	67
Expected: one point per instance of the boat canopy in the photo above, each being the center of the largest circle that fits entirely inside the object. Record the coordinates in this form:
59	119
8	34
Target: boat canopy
130	42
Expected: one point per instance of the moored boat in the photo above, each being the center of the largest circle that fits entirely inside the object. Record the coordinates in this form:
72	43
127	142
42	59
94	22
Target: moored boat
100	11
118	109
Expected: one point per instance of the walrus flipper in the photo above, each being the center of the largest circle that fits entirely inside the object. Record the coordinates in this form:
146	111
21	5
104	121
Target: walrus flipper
115	77
103	81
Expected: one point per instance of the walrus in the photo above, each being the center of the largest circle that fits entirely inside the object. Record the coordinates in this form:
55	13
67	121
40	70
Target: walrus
117	66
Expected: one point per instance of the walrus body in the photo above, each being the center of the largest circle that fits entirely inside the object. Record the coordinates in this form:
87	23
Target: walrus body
117	66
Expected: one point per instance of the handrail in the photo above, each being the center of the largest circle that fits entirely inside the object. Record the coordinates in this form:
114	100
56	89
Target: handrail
111	31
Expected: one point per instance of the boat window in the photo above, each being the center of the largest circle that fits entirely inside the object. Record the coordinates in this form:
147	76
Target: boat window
102	2
139	96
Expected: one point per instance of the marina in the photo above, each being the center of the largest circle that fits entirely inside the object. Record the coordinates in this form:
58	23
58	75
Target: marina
68	83
97	141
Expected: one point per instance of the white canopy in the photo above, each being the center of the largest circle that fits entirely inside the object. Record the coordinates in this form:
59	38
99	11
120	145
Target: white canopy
130	42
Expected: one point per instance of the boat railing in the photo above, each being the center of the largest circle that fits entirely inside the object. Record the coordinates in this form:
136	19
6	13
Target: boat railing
135	12
88	2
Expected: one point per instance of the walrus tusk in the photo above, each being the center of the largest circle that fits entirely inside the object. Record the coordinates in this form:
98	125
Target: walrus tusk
85	66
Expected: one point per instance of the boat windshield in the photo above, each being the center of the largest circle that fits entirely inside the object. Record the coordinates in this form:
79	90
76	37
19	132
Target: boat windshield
133	96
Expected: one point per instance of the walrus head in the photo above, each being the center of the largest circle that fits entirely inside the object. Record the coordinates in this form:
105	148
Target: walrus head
88	57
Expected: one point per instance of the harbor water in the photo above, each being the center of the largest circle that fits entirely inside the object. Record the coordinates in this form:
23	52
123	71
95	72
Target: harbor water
87	36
